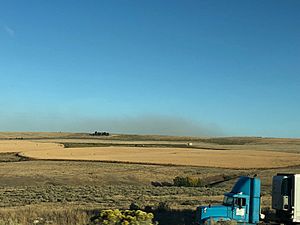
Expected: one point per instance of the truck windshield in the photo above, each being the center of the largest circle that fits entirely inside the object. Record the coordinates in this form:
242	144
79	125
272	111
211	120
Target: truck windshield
228	200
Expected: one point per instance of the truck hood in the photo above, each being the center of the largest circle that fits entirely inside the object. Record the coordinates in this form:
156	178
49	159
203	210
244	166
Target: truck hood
214	212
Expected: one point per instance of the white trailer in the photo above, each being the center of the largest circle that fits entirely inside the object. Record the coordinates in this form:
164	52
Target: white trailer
286	197
297	199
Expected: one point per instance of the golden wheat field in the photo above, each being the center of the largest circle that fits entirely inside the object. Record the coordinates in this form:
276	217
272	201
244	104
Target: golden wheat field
243	158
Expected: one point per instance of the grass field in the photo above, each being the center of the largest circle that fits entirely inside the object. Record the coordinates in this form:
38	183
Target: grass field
60	191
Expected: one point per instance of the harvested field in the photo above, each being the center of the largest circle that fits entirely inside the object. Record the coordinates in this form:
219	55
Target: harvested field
175	156
24	146
238	159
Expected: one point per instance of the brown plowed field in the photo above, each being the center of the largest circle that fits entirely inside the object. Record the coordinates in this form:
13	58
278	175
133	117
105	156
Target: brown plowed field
177	156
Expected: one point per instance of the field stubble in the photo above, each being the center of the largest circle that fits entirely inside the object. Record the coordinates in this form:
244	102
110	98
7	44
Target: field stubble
250	157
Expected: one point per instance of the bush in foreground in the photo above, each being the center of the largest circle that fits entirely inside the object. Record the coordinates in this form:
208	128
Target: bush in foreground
123	217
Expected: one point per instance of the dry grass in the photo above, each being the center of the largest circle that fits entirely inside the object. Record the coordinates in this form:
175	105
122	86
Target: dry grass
95	173
57	191
102	185
44	214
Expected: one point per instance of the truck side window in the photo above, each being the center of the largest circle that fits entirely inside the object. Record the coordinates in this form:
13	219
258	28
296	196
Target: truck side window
284	187
228	200
241	201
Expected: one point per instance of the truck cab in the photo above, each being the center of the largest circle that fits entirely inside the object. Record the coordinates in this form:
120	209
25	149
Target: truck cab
242	204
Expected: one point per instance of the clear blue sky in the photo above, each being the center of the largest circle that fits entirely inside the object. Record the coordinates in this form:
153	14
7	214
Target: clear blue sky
221	68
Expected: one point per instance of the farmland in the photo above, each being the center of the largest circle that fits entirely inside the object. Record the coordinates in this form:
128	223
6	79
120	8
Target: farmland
47	175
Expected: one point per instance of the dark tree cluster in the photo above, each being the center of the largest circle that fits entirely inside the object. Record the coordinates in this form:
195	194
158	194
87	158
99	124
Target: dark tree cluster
96	133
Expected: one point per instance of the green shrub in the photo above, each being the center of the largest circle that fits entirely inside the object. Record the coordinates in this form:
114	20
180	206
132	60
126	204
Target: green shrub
187	182
163	207
134	206
123	217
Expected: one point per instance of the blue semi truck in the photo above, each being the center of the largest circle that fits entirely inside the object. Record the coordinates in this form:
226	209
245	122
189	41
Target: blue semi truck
242	203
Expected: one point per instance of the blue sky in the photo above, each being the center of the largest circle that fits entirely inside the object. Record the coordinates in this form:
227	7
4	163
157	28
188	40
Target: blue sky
212	68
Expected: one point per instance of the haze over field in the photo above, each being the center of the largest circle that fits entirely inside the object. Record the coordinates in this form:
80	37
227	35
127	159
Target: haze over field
201	68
